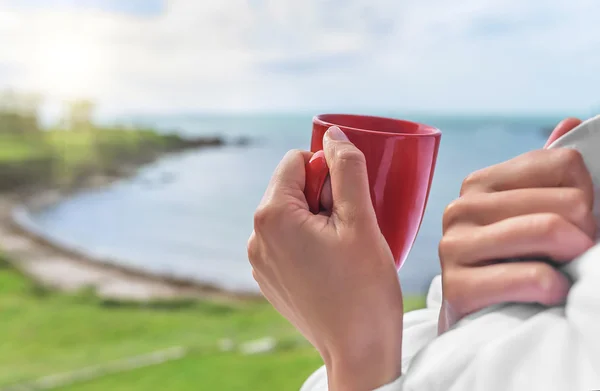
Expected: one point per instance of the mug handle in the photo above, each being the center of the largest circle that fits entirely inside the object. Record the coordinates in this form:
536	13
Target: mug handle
316	174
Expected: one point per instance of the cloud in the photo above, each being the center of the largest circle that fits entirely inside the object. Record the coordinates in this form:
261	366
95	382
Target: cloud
433	55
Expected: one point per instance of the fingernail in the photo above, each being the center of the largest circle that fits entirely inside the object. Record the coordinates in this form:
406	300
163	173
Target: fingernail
335	133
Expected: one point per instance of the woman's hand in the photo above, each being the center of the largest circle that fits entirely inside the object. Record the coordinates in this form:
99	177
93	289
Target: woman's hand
332	277
536	206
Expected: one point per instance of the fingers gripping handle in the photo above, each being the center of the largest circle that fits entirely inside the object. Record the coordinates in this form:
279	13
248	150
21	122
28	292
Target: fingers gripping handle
316	174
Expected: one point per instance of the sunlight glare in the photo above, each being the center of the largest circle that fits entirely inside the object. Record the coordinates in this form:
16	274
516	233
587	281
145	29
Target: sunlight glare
69	66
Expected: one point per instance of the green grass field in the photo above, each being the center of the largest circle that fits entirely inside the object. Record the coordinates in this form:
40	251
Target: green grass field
45	332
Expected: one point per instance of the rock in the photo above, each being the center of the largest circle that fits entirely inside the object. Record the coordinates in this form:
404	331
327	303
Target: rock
205	142
258	346
242	141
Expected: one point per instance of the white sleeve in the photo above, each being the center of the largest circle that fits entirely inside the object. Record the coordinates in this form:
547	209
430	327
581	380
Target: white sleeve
318	382
514	347
508	347
420	328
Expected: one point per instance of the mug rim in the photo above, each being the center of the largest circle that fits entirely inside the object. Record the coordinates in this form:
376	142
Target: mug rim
424	129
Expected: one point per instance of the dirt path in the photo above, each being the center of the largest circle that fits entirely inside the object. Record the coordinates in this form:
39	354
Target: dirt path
66	271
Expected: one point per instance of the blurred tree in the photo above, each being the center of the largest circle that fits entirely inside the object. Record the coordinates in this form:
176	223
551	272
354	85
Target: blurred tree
79	115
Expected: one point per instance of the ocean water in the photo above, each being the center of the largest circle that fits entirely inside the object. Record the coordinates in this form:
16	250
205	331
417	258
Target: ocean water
190	215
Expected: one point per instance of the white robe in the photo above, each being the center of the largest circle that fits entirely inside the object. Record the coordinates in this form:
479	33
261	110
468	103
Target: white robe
510	347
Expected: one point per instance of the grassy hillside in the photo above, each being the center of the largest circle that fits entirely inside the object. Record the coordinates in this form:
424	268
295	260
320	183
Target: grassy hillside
45	332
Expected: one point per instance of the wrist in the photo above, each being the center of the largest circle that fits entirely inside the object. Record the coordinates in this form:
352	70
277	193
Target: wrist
366	366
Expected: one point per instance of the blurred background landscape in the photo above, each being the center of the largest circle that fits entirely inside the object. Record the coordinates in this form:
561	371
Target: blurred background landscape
137	138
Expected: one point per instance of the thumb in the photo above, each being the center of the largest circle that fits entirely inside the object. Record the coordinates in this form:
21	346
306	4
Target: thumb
349	180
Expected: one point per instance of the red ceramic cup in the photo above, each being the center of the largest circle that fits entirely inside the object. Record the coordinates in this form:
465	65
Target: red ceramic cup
400	157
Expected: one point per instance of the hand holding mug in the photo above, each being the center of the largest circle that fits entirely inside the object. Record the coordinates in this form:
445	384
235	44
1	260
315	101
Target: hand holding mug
400	157
331	275
535	206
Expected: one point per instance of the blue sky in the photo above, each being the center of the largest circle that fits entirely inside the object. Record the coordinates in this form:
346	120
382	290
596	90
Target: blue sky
133	7
312	55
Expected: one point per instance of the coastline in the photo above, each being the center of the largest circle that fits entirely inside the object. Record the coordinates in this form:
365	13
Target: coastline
59	266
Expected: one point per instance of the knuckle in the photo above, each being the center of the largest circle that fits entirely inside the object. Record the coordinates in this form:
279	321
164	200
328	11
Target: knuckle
264	216
549	225
291	154
455	211
449	250
254	253
577	201
252	247
541	278
352	156
471	181
294	154
571	168
569	157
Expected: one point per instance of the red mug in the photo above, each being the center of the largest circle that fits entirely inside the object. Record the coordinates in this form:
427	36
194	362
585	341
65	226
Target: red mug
401	157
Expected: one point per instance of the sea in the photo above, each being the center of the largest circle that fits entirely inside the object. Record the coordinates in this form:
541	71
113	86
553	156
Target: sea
189	215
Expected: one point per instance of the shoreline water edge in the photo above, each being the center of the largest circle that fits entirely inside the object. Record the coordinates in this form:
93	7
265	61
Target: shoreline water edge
61	266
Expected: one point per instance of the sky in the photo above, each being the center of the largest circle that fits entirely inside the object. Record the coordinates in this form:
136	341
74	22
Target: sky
182	56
